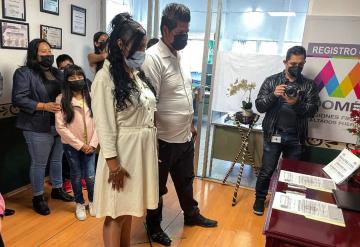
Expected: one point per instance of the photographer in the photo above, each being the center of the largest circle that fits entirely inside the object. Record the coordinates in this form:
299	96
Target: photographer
287	99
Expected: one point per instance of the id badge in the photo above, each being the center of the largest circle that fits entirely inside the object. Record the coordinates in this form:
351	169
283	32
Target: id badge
276	139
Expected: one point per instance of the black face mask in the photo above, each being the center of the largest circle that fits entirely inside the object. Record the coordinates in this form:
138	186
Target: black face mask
77	85
295	71
180	41
47	60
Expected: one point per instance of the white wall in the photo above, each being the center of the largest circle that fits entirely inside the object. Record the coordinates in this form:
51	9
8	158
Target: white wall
75	45
334	7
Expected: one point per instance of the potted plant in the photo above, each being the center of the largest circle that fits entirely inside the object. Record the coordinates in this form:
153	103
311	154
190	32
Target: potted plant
246	114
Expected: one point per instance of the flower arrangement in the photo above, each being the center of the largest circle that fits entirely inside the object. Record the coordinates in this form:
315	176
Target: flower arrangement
242	85
355	130
355	118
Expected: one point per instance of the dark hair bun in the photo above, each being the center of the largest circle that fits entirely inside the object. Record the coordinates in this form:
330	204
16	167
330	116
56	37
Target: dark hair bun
120	19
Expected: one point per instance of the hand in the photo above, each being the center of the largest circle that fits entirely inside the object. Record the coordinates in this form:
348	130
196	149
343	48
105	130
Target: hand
157	149
52	107
86	148
91	149
280	90
290	100
193	132
117	177
104	54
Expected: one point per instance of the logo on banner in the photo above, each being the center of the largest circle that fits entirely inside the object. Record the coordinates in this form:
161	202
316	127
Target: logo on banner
327	78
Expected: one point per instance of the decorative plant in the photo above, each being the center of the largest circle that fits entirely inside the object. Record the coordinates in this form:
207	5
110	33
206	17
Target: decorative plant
355	118
242	85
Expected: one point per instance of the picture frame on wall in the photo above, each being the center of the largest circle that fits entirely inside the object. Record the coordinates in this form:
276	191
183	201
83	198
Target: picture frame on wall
78	20
50	6
14	35
53	35
14	10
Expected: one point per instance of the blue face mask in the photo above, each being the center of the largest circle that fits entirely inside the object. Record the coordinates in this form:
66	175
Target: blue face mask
136	60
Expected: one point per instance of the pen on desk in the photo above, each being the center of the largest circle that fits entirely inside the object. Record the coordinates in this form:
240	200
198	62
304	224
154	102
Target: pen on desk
294	192
298	187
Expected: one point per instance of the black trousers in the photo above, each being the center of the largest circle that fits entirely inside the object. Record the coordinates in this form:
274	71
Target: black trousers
290	148
178	160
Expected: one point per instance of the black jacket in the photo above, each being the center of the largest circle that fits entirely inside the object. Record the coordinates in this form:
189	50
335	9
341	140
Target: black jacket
28	90
306	106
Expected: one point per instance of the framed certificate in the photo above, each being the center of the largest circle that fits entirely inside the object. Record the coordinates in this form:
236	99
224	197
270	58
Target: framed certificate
53	35
49	6
78	20
14	9
14	35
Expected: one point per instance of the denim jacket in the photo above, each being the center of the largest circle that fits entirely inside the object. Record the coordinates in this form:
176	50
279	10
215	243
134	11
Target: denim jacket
28	91
306	106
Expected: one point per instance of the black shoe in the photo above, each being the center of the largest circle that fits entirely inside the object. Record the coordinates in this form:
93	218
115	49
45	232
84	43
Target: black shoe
259	206
160	237
40	205
59	193
199	220
9	212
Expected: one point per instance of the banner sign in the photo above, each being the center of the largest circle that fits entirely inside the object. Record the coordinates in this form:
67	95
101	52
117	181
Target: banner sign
333	56
333	50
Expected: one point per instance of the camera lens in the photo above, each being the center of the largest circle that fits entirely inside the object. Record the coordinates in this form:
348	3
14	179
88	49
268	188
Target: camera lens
291	91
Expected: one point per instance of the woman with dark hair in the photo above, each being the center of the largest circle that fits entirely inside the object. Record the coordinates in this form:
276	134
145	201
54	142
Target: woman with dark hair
96	59
75	125
123	106
35	87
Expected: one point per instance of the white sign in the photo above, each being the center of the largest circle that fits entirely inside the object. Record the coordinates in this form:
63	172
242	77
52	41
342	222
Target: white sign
333	62
345	164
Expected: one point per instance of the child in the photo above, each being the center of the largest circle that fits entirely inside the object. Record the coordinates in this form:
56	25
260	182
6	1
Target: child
75	125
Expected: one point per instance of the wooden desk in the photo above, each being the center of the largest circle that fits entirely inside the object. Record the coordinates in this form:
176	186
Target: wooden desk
286	229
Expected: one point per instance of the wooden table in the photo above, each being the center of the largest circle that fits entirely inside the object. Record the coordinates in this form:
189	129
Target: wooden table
286	229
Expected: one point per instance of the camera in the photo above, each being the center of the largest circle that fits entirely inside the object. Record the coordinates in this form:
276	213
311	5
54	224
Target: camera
291	91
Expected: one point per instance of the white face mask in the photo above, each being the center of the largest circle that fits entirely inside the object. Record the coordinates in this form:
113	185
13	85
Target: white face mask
136	60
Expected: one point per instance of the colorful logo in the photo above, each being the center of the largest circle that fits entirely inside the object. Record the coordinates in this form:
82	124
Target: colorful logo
327	78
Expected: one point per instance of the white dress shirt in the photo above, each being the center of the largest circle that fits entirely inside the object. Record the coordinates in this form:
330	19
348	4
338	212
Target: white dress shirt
172	82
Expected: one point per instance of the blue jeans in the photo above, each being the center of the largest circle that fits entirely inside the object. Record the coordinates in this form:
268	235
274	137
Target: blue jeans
81	164
44	148
290	148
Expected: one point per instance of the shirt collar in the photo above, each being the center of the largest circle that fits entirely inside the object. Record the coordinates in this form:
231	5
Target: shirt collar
164	50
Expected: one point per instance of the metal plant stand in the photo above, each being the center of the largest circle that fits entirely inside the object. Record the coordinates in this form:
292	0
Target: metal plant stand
243	152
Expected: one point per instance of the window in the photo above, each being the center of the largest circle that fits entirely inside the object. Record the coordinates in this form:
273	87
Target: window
137	8
114	7
268	48
248	46
288	45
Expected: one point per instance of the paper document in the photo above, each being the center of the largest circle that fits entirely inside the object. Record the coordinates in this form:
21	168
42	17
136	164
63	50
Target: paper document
312	209
307	181
345	164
